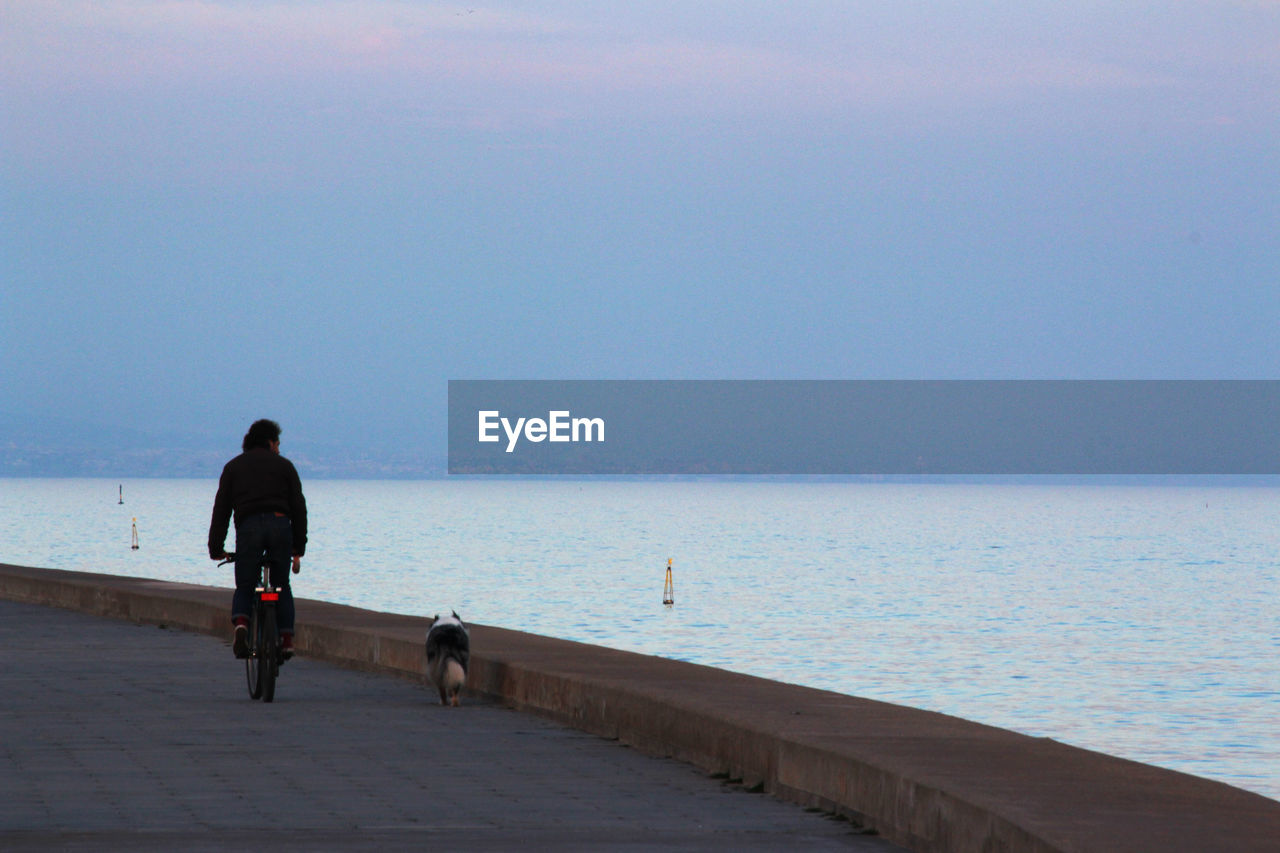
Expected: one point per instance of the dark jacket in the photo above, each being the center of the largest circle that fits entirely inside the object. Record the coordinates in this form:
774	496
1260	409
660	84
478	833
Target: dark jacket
258	480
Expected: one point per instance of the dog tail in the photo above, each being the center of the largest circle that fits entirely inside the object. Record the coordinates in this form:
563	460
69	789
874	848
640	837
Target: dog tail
454	675
454	678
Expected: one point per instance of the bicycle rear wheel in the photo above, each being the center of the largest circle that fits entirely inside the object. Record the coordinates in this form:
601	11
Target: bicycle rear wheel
268	654
253	663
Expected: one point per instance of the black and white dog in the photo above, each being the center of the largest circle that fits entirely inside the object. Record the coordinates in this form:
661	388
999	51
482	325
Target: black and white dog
448	651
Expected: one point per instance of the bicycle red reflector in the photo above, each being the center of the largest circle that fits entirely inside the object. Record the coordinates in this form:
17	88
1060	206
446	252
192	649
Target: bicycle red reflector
271	596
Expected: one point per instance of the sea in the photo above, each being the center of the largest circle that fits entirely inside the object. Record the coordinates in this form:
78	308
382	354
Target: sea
1137	620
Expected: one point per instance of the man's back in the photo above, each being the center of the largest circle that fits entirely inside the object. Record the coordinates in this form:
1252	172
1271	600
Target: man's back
260	480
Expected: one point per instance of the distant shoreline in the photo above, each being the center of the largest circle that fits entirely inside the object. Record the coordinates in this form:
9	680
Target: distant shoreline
408	473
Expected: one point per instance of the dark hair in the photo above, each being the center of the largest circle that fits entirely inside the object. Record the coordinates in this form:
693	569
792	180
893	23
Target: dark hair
261	434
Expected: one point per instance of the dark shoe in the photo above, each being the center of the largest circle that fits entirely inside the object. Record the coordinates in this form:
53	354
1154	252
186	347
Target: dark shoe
240	646
286	646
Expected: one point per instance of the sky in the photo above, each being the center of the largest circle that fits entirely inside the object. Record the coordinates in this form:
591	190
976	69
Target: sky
322	211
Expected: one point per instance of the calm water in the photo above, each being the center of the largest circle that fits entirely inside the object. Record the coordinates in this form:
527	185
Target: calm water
1139	621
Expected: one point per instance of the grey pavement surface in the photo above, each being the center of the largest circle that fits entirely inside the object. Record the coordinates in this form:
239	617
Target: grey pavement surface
116	736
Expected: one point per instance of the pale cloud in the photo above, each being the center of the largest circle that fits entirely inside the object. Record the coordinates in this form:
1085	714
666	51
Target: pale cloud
93	45
195	37
92	82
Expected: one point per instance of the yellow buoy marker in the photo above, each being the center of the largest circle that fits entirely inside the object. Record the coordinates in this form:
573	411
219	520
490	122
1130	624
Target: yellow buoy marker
134	546
668	588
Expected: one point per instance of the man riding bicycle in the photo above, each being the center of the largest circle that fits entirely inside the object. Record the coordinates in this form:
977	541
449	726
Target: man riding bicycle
263	490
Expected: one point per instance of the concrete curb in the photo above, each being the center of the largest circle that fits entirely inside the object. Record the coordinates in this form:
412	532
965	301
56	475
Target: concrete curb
925	780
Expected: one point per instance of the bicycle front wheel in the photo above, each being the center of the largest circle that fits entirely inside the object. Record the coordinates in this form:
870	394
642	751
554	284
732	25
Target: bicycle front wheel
268	654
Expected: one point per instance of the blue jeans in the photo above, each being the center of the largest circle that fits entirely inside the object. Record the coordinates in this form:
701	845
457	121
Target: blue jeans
272	535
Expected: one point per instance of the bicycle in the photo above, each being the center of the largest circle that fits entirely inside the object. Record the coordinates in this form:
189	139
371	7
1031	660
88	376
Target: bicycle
262	666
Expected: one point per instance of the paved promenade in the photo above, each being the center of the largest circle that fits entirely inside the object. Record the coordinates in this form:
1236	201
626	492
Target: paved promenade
117	736
127	741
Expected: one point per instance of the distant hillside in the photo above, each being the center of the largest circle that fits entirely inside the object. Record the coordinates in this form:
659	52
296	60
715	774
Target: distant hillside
55	448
